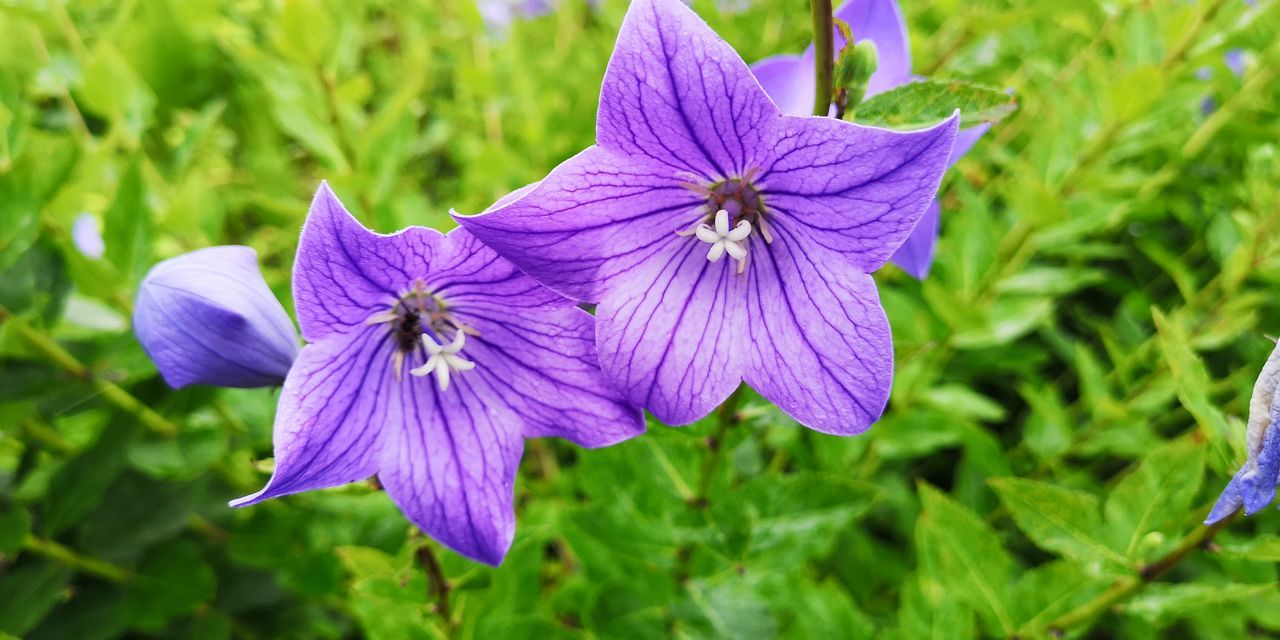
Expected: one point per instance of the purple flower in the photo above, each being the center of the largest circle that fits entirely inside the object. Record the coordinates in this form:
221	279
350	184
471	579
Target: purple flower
810	207
86	235
789	81
430	359
1254	486
1234	60
207	317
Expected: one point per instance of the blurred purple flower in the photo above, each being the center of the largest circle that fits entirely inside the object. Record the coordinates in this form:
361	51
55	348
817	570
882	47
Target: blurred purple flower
693	162
1254	486
86	235
1235	62
789	80
208	317
430	359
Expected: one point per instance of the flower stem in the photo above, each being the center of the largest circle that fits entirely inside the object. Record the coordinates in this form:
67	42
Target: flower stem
1130	585
438	584
726	416
58	553
823	55
122	399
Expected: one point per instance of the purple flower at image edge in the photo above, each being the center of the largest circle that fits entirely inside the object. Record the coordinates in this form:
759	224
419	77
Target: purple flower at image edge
789	80
1254	485
722	240
429	360
208	317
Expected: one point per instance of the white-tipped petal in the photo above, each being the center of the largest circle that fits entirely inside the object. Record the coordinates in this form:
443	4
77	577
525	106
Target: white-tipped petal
706	233
722	223
740	232
716	252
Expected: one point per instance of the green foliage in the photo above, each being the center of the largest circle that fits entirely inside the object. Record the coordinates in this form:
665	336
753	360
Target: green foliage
926	102
1072	378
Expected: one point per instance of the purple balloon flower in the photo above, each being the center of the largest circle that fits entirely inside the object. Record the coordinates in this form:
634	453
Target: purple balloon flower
789	81
86	235
1254	486
430	359
694	163
208	317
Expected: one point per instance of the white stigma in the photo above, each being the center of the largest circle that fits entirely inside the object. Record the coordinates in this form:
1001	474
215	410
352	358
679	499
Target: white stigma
723	239
444	359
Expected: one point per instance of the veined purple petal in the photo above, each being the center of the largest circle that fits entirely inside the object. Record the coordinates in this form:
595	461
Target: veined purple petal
855	191
332	414
671	332
915	256
676	93
1228	503
450	462
818	339
789	81
208	317
596	216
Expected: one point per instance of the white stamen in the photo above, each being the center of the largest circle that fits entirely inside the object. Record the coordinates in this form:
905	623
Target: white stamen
443	359
725	240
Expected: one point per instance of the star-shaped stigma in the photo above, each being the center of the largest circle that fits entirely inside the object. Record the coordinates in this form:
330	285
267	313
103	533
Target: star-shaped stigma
443	359
725	240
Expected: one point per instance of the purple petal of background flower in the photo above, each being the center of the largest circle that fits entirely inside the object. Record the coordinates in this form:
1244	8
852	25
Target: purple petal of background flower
86	235
208	317
674	330
789	81
447	458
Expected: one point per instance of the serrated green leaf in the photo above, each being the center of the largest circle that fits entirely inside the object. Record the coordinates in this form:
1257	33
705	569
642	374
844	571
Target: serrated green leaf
962	559
926	102
1057	519
1156	497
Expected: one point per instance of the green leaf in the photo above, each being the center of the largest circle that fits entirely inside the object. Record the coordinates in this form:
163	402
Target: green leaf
1056	518
1192	380
77	488
127	226
173	580
1156	497
387	596
962	559
926	102
1161	602
29	592
1261	548
15	525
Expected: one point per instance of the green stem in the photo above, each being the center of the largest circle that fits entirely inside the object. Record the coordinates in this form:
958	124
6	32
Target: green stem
726	416
115	395
63	555
1130	585
823	55
438	584
47	436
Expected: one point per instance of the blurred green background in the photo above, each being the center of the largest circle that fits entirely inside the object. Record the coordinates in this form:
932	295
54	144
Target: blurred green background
1072	379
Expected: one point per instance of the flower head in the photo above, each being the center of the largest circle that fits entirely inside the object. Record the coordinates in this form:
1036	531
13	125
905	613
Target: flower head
430	359
208	317
789	80
691	152
1254	485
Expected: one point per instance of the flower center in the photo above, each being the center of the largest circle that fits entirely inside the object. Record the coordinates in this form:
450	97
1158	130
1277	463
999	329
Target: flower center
735	207
421	322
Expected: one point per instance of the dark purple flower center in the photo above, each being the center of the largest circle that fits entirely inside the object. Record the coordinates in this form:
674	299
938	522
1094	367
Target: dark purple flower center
416	312
739	197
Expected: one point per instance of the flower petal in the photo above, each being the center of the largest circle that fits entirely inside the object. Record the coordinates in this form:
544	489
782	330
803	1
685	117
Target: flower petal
853	190
1228	503
541	363
671	334
819	341
208	317
881	22
343	272
1259	487
450	462
789	81
678	94
330	417
915	256
595	217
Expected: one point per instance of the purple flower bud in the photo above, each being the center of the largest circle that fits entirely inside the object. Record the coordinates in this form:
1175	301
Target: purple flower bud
1254	485
208	317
